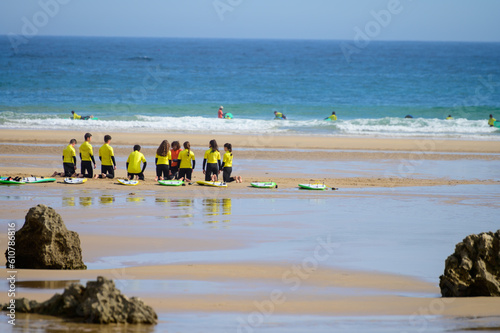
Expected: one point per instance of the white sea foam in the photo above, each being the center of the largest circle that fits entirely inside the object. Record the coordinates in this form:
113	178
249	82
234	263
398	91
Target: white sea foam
383	127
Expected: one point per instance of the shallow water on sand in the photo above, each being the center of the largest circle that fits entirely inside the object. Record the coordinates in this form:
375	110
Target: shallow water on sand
406	231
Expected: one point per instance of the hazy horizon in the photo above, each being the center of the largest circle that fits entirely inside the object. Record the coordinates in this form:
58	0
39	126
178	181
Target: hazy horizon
373	20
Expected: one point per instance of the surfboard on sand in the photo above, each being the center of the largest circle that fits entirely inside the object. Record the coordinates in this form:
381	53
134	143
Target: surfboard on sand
35	180
317	187
75	180
128	182
214	184
264	185
4	181
171	182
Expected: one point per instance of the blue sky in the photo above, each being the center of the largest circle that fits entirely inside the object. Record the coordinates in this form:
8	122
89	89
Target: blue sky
437	20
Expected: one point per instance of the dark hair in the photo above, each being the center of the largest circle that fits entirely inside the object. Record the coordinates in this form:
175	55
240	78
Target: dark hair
107	137
229	147
163	148
87	135
491	116
176	145
333	112
213	145
72	141
72	111
137	147
187	146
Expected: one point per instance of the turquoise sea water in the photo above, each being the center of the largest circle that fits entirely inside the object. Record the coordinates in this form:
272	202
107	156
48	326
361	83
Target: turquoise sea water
146	84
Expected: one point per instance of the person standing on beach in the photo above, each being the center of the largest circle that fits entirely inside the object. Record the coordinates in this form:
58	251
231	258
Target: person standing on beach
220	114
211	162
69	161
107	157
333	117
227	165
163	160
87	157
174	165
134	164
185	167
491	121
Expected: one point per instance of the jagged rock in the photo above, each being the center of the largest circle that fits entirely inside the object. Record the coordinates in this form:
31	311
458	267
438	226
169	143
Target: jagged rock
474	268
99	302
44	242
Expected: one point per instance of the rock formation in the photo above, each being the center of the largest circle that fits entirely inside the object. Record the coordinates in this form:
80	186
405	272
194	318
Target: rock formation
99	302
474	268
44	242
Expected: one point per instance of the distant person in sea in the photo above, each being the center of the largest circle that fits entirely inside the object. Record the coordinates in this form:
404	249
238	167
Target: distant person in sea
87	157
227	165
134	164
185	167
69	161
491	121
107	157
228	115
333	117
220	114
279	115
76	116
449	117
163	160
408	116
211	162
174	166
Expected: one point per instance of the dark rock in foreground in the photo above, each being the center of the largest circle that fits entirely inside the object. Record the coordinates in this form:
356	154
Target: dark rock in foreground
99	302
474	268
44	242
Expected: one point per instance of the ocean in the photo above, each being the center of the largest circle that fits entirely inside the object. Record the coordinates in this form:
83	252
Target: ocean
177	85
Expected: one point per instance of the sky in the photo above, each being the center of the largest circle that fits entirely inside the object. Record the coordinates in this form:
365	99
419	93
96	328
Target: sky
421	20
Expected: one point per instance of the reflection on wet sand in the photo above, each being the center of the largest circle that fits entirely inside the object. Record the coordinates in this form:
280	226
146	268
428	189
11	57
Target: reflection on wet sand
60	284
212	209
26	322
106	199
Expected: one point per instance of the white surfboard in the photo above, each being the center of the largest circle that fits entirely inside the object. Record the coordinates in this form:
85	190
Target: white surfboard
128	182
75	180
214	184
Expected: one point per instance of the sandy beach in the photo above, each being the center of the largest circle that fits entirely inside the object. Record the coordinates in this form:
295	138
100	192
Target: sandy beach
192	249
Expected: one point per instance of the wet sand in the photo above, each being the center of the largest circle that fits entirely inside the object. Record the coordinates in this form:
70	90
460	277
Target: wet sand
189	250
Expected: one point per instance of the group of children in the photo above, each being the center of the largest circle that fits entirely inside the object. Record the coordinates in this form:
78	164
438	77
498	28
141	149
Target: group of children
171	161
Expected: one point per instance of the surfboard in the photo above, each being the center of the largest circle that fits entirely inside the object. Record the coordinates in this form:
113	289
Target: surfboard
214	184
171	182
35	180
128	182
496	124
3	180
318	187
75	180
264	184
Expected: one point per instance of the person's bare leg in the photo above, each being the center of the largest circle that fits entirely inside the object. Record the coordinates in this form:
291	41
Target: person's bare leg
55	174
156	178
